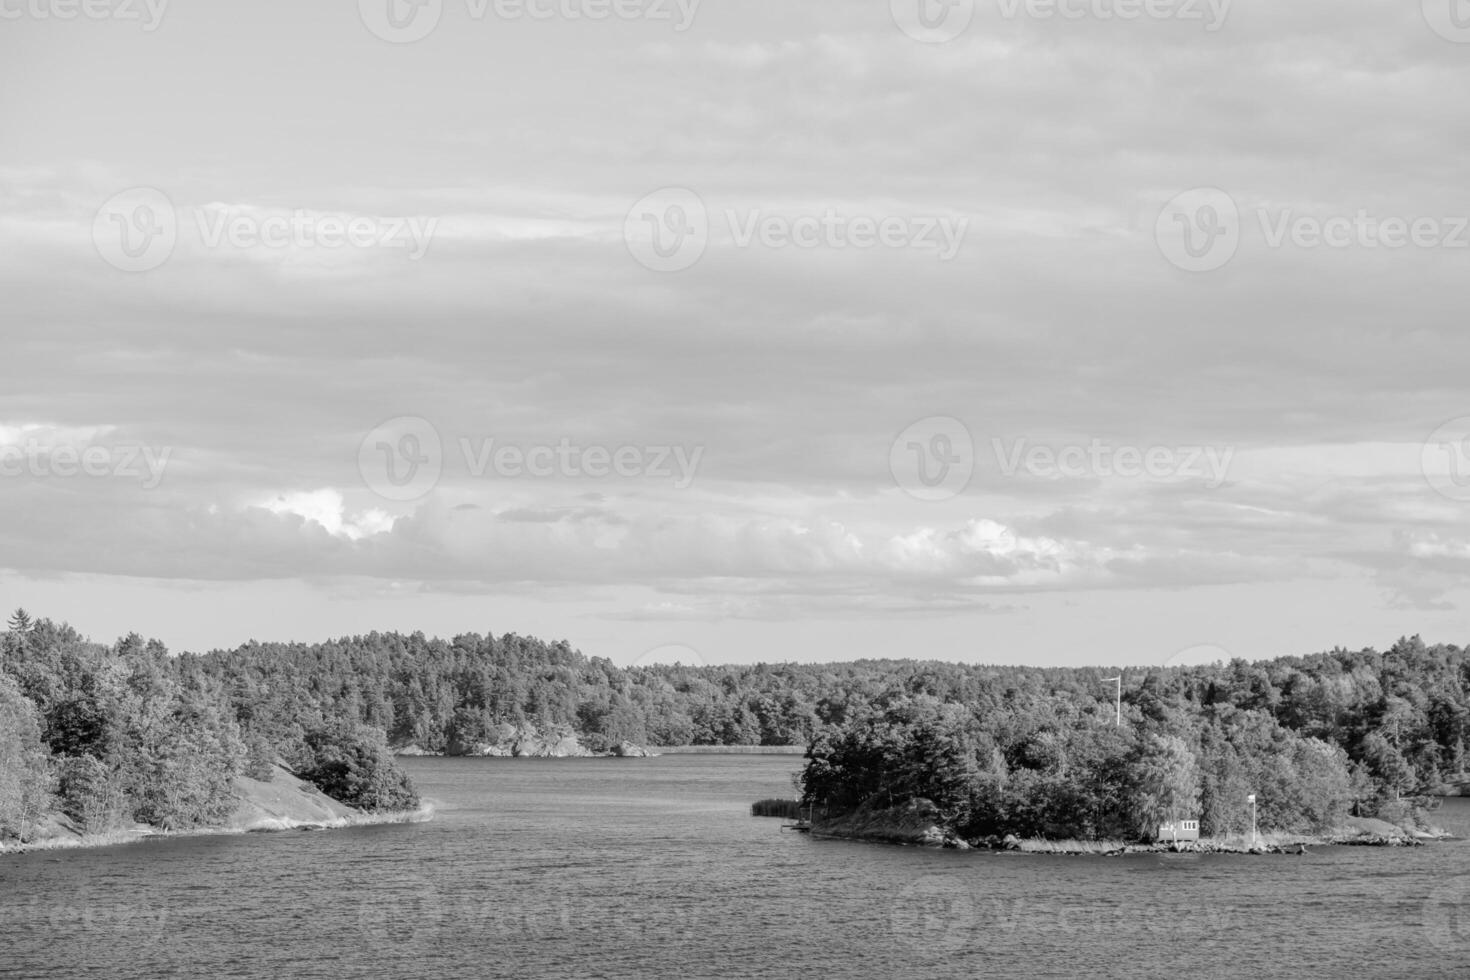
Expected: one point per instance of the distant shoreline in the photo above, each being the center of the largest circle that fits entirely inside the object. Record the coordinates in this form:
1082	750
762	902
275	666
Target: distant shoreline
631	752
730	750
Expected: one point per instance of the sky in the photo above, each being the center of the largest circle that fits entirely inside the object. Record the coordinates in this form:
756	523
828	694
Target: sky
1086	332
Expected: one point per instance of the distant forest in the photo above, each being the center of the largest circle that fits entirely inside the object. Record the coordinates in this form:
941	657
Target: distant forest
103	732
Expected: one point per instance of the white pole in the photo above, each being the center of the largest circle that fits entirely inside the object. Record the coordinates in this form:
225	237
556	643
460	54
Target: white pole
1119	701
1252	799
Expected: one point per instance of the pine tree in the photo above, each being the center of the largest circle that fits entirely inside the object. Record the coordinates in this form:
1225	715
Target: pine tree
21	622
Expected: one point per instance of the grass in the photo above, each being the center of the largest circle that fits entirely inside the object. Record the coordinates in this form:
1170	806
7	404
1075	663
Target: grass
776	808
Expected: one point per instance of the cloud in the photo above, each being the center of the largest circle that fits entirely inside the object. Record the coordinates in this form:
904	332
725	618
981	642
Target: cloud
325	508
261	369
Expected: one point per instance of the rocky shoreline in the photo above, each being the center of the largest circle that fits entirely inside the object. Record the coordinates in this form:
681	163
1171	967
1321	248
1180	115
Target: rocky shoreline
917	824
528	743
285	802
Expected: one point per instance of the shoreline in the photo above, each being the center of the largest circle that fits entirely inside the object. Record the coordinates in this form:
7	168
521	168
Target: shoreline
141	833
918	824
285	802
625	751
1281	844
789	750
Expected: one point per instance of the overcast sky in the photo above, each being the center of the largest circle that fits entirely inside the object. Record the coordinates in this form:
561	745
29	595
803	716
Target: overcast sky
751	329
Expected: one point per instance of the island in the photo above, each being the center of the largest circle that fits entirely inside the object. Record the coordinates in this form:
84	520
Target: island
1337	748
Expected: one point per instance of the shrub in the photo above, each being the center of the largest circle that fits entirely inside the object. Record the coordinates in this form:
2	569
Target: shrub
352	764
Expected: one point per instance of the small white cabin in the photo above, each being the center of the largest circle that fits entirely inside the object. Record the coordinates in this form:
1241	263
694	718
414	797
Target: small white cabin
1179	830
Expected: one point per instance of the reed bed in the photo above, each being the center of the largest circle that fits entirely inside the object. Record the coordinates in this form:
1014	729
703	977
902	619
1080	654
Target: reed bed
789	809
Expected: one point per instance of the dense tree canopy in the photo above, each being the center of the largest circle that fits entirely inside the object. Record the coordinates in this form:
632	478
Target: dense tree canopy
131	731
1039	752
110	735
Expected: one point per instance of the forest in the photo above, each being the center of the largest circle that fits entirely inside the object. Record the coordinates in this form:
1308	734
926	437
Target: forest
106	736
103	733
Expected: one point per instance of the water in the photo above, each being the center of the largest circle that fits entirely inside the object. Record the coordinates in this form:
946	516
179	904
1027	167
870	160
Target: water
652	868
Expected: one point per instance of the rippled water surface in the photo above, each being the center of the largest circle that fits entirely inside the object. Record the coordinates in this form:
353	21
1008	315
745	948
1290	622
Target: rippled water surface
652	868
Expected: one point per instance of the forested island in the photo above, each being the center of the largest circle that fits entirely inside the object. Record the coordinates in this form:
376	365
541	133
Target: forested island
1296	746
103	743
97	735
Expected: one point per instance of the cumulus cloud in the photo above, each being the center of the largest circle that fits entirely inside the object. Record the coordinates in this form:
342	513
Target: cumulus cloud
326	509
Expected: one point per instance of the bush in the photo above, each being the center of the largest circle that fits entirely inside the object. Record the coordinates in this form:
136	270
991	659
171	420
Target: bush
352	764
260	758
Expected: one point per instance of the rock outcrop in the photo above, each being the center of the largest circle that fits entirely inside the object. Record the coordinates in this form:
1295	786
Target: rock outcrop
284	803
529	742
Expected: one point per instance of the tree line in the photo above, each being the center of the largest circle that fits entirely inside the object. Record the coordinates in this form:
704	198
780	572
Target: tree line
130	730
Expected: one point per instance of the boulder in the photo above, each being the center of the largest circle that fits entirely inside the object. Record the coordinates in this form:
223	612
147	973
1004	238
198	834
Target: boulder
561	744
